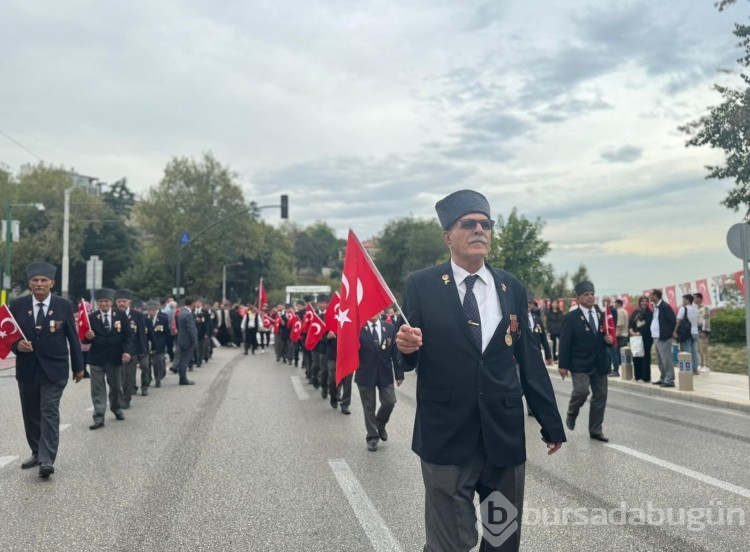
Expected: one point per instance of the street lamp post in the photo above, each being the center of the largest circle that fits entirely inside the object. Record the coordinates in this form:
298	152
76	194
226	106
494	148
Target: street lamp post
224	280
8	239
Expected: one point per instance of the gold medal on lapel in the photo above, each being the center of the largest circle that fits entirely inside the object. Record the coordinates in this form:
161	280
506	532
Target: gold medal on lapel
508	338
52	326
446	279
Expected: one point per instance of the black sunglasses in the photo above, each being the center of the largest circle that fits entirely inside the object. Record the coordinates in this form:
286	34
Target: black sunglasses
470	224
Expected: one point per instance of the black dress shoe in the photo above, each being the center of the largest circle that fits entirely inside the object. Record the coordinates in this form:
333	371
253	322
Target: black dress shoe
324	392
30	462
45	470
570	423
599	437
96	425
334	403
144	392
158	383
382	433
187	382
119	415
345	410
666	385
372	445
657	382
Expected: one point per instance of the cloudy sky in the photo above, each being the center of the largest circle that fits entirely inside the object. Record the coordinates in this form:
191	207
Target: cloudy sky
372	110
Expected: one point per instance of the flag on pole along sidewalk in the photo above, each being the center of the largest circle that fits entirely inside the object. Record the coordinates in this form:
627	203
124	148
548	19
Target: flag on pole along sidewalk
83	321
9	331
262	298
671	293
315	331
332	323
363	295
739	279
702	287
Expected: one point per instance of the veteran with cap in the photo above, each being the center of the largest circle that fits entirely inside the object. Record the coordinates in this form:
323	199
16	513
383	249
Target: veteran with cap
124	301
466	331
157	329
112	345
49	348
584	355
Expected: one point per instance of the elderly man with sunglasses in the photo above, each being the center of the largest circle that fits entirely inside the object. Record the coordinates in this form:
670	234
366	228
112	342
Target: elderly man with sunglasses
468	333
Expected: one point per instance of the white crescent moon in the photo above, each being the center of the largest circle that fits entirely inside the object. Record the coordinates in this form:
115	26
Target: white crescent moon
345	283
317	328
360	291
12	324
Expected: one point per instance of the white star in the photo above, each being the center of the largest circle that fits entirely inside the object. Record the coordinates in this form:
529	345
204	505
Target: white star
343	317
3	334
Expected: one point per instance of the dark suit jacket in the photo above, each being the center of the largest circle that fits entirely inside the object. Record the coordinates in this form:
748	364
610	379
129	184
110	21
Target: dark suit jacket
378	359
108	346
464	394
56	345
187	333
158	334
582	350
540	335
138	327
202	323
667	321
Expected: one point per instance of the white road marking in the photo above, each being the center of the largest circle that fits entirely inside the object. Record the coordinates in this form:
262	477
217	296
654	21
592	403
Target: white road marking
63	427
736	489
377	532
300	389
5	460
89	409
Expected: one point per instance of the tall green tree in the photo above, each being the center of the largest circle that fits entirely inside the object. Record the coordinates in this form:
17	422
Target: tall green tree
316	247
580	275
517	246
200	198
727	127
405	245
119	198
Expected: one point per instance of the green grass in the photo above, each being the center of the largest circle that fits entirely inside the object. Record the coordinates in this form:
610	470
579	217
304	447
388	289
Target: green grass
731	359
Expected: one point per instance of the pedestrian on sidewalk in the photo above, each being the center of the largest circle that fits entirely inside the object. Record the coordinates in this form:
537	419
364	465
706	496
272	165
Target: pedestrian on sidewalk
42	360
704	332
662	328
640	324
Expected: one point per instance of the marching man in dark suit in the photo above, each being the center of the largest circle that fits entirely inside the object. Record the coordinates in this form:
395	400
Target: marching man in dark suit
187	339
48	322
124	301
584	353
378	358
112	345
468	330
157	328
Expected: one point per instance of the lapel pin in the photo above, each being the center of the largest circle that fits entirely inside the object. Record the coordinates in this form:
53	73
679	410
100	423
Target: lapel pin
502	286
446	279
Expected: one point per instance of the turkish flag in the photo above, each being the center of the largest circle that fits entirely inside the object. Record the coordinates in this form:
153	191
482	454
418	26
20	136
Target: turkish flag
609	323
9	331
671	292
262	298
363	295
83	321
315	332
277	323
308	318
291	318
739	278
267	322
573	304
296	329
702	287
332	323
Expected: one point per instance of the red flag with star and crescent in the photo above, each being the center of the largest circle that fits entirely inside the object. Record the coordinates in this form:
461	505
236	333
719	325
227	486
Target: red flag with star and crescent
83	321
296	332
609	323
363	295
10	332
332	323
315	331
308	318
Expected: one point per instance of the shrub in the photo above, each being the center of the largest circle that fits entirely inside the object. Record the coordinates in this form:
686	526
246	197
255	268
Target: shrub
728	326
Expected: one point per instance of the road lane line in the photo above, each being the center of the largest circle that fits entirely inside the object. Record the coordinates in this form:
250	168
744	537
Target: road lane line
736	489
5	460
300	389
377	531
63	427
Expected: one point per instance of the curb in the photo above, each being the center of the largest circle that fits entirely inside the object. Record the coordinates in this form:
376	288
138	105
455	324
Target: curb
673	393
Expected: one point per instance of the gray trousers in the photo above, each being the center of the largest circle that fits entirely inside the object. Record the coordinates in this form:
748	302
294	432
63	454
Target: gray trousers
99	389
317	364
128	379
145	367
598	385
159	367
387	402
40	407
343	392
664	359
186	354
450	517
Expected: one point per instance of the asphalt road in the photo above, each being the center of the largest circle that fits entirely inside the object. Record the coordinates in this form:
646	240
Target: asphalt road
250	459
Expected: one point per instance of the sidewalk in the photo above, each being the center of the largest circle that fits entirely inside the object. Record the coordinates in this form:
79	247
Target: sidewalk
9	362
714	388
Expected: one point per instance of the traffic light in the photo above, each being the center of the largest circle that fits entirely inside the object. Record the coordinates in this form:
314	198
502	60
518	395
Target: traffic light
284	206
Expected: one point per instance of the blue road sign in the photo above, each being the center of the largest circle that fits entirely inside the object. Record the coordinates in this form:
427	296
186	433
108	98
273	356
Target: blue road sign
184	238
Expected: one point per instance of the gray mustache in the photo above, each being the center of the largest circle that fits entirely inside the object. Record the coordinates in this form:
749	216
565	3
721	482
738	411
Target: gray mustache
480	239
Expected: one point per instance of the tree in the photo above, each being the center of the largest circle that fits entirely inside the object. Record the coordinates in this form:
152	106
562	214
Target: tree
517	246
316	247
191	196
580	275
727	127
119	198
405	245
